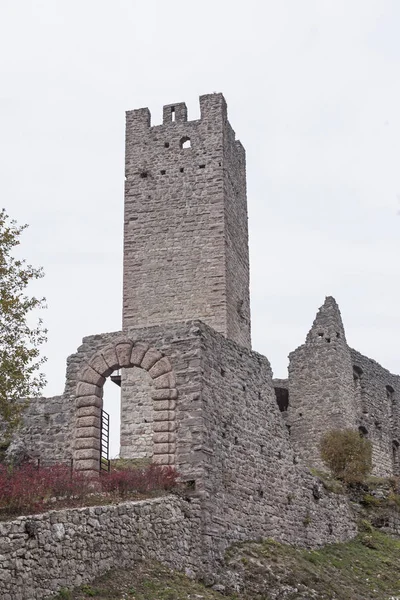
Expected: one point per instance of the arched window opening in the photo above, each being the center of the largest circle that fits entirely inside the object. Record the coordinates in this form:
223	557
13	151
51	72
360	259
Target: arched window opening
172	113
185	143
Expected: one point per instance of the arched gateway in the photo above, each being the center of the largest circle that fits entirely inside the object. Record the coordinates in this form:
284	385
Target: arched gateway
124	353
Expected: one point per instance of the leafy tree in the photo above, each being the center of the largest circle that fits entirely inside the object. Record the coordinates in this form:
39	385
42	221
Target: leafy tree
347	454
20	359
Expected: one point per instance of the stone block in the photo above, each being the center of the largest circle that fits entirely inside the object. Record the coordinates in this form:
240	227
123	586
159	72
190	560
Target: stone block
88	422
98	363
88	411
161	459
161	426
164	415
89	464
110	357
161	448
88	432
87	453
164	405
82	443
164	394
150	358
89	375
95	401
123	351
160	367
168	380
88	389
138	352
164	438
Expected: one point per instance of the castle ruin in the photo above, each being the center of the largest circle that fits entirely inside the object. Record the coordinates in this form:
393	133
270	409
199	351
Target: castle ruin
193	393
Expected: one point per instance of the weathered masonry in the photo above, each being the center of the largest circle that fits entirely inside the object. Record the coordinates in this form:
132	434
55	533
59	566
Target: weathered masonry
185	227
193	393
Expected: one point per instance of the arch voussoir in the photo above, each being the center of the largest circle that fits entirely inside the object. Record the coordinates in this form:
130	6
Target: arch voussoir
150	358
110	356
98	364
123	350
161	367
89	375
138	352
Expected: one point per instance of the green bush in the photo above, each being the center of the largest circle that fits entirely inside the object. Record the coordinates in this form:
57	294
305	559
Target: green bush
347	454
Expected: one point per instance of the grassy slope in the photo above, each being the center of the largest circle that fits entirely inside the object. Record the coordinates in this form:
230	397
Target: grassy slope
364	569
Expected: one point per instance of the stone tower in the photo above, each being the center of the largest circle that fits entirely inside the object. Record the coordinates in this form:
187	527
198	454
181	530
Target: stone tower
185	239
185	227
321	385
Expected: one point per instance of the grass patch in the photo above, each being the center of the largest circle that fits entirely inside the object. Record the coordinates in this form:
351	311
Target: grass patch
366	568
329	482
147	581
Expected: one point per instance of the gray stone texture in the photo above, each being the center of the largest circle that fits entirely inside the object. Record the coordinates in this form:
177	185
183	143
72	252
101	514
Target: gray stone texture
185	226
41	554
332	386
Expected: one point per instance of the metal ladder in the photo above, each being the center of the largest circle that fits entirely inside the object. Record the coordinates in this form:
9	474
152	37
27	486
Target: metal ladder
105	442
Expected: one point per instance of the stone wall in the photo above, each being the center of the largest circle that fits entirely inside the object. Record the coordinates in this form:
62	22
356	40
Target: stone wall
185	226
41	554
321	387
332	386
254	484
378	393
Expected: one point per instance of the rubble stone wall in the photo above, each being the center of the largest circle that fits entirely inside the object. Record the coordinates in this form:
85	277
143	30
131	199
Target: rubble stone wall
41	554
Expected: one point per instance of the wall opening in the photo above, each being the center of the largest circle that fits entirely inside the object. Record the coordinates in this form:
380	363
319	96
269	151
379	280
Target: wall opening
112	405
396	457
282	398
390	399
136	414
172	113
185	143
363	431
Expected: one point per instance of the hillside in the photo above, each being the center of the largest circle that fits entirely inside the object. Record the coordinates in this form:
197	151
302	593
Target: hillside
367	568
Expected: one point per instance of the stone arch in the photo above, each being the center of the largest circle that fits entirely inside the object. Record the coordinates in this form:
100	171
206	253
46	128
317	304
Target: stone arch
124	353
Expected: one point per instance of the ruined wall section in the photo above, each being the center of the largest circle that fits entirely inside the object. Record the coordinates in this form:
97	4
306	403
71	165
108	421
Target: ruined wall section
183	208
321	386
254	484
45	433
379	416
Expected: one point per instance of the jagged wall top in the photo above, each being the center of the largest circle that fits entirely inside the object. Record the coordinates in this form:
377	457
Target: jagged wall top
212	107
328	324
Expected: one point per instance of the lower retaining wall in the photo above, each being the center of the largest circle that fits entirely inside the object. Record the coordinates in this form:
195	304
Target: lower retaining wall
41	554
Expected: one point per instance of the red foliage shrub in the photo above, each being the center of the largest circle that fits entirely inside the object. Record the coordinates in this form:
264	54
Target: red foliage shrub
139	480
28	489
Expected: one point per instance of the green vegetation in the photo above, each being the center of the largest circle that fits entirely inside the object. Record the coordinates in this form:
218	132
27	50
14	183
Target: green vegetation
347	454
329	482
20	343
148	581
366	568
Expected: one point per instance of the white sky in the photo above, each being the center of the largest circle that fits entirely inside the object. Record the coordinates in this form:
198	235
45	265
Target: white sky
313	92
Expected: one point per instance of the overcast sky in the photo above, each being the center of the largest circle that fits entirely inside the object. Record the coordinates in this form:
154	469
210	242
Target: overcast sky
313	92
